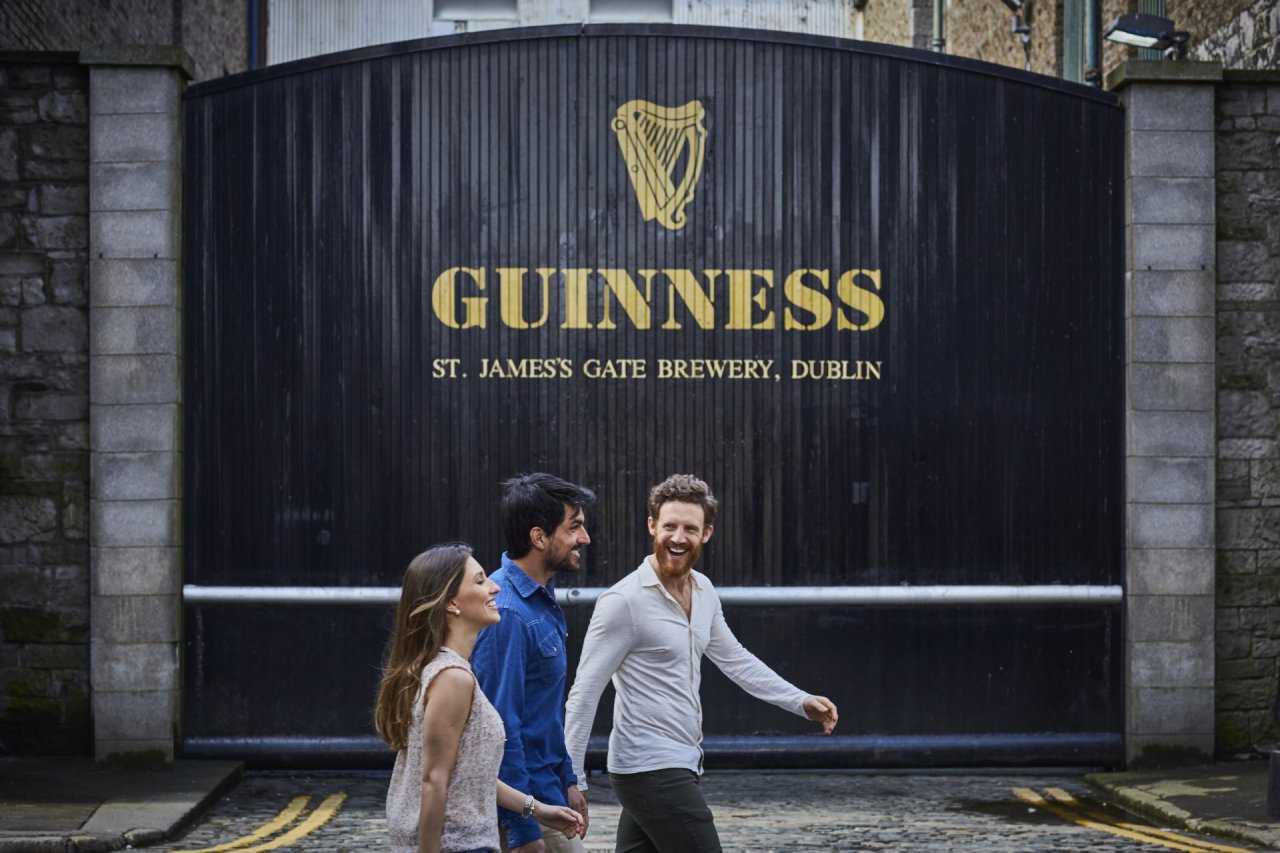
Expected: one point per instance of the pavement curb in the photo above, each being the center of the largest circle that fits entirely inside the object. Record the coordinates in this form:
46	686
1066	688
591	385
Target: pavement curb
1154	808
228	782
134	816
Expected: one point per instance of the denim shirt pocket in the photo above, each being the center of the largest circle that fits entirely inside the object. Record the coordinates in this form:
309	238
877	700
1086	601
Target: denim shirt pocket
548	662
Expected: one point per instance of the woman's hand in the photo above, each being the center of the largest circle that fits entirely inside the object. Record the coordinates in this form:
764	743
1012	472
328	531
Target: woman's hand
562	818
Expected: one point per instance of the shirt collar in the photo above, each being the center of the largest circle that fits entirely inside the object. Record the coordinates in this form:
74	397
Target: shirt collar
524	584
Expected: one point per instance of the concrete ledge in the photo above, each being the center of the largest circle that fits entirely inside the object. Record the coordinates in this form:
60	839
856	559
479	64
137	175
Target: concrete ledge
153	55
1256	75
39	57
1162	71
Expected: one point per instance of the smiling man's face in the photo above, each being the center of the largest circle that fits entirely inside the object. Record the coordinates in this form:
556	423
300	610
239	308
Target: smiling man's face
678	536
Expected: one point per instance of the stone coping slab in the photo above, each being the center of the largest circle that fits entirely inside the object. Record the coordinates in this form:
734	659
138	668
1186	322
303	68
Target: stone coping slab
58	804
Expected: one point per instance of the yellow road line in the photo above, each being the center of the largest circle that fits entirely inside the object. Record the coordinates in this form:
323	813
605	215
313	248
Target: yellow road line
1208	846
1134	832
318	818
286	816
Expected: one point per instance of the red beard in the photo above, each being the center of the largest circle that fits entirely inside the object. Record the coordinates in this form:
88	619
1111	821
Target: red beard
676	566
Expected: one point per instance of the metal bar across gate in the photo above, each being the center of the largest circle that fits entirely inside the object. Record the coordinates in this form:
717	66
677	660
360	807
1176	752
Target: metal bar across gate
742	596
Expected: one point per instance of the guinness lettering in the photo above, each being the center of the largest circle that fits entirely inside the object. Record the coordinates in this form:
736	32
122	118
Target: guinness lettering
734	299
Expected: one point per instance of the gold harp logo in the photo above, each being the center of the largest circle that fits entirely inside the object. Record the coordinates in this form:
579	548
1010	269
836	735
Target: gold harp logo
653	139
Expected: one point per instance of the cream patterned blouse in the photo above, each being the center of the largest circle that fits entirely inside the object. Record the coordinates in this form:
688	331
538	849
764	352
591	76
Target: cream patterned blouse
471	804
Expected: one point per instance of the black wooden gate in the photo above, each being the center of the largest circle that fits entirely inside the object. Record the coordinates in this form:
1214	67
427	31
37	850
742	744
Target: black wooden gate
872	295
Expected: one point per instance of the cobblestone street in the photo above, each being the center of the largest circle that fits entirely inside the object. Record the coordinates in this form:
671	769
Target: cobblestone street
755	811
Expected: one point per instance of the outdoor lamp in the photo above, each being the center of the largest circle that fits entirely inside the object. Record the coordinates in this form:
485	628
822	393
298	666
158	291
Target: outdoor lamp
1149	31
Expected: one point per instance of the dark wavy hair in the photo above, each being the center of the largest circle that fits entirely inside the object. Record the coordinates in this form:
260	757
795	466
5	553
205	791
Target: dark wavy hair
536	500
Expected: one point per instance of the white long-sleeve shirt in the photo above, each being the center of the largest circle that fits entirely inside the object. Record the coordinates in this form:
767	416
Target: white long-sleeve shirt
640	637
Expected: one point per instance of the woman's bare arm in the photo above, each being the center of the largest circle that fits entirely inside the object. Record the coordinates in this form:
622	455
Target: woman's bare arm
448	704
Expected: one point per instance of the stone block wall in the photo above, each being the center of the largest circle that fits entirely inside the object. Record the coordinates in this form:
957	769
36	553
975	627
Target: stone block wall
44	406
1241	34
1248	393
214	32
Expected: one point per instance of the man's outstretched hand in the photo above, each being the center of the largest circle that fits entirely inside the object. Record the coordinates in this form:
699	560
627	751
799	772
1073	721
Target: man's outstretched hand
820	709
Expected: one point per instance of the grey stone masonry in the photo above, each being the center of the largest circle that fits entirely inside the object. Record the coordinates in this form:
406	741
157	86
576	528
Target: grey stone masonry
135	399
1170	368
1248	418
44	405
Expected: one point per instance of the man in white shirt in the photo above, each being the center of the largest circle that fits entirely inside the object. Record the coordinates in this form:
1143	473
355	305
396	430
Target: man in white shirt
648	633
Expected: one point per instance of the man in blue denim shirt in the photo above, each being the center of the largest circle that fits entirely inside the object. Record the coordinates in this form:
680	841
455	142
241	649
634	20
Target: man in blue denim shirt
521	662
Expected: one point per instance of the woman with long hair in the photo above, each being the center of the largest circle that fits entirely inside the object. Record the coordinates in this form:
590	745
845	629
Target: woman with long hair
445	789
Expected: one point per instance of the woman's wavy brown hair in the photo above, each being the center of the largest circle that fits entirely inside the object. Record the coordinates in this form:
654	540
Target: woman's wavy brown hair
432	579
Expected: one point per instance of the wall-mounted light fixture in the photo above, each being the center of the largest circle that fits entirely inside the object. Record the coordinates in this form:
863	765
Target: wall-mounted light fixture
1021	10
1149	31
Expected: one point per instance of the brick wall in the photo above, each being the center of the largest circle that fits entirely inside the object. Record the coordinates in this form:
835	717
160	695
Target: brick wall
44	407
1241	34
1248	234
984	30
887	21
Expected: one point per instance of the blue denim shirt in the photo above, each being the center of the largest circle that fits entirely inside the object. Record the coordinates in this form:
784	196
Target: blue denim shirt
521	665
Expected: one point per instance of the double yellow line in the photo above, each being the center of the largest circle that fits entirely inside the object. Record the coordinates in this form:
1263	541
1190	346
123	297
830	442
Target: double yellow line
319	816
1069	808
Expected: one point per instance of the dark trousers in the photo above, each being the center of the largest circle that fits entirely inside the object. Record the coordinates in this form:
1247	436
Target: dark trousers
663	811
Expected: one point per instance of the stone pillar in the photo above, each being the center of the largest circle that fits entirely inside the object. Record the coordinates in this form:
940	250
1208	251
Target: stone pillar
135	399
1170	400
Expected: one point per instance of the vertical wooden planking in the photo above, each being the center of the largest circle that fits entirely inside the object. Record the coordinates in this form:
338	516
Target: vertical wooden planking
326	445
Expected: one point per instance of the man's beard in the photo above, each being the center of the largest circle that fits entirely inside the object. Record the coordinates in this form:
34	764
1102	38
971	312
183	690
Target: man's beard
676	566
565	563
